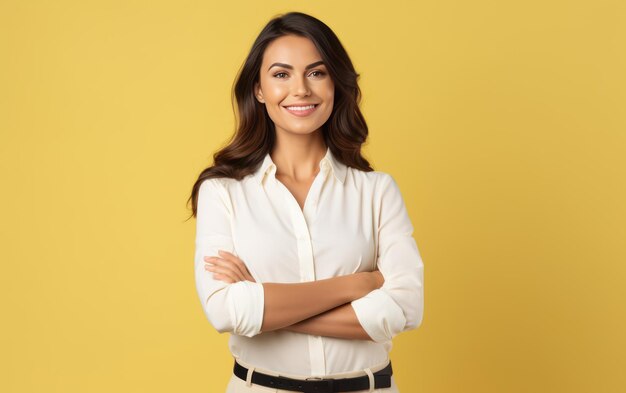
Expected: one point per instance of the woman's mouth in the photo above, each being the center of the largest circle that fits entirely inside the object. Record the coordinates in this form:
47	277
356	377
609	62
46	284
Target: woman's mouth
301	111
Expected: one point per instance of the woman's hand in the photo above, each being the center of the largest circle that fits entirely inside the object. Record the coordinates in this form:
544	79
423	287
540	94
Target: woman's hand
229	268
369	281
378	278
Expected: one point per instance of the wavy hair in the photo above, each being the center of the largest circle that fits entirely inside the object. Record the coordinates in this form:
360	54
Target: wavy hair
344	132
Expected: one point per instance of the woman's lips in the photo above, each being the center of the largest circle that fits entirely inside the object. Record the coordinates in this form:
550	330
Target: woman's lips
301	113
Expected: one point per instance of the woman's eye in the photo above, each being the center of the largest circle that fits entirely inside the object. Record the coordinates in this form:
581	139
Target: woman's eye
319	73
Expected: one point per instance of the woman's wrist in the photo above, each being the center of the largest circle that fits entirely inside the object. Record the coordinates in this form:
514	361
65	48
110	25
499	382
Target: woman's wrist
364	283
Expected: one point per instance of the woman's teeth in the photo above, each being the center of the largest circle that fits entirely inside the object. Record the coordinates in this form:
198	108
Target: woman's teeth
300	108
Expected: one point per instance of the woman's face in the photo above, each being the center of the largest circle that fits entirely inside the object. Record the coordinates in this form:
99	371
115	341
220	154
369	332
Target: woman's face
292	74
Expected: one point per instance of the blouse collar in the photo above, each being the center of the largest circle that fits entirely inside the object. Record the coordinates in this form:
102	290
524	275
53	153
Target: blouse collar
329	161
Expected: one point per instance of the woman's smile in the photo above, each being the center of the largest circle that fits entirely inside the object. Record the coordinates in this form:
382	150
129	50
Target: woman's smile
301	111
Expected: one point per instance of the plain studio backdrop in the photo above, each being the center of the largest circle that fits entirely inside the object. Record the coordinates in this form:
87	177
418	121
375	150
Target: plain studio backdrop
503	123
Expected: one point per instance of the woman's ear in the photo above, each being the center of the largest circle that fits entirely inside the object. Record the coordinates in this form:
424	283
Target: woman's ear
258	93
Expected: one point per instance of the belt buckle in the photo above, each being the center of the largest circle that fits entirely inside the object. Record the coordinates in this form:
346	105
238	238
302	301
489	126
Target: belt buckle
320	385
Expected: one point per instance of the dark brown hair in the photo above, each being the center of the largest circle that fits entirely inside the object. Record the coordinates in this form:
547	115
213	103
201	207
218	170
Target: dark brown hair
344	132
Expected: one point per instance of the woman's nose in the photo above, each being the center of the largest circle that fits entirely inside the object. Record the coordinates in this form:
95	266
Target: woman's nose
300	87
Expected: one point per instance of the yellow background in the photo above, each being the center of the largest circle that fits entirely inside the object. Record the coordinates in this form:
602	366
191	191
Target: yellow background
503	122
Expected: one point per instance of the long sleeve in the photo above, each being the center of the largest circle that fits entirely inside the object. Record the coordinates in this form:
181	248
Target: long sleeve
399	304
237	307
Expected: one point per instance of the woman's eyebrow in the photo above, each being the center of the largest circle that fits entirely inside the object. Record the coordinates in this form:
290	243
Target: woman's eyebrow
291	67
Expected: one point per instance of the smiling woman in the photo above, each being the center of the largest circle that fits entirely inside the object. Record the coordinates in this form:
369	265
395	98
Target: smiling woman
298	95
304	253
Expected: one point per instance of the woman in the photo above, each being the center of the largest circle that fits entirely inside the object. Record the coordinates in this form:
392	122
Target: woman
304	253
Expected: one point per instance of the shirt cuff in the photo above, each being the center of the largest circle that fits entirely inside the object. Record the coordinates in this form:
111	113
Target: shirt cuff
379	315
245	305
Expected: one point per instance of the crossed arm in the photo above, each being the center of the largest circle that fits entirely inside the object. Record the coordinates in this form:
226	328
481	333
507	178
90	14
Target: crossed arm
288	306
362	305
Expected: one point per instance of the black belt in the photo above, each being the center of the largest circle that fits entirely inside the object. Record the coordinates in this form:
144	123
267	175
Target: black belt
382	379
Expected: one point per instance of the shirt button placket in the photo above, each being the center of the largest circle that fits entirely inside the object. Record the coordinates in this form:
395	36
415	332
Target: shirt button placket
307	274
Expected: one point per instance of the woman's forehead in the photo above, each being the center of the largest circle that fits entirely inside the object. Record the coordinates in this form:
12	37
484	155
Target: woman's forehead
292	50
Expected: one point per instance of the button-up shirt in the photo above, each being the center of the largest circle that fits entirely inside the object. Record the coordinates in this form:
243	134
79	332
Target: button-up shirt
352	221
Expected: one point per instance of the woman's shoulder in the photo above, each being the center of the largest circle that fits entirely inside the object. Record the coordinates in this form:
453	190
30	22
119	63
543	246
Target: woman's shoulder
226	186
373	178
212	183
223	182
381	184
216	185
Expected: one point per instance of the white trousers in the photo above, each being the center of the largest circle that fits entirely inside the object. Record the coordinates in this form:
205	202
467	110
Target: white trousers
236	385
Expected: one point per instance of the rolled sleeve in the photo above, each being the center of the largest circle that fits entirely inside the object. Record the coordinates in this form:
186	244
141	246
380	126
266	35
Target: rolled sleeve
379	315
399	304
236	307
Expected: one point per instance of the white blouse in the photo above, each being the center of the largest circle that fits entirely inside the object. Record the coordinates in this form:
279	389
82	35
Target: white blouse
351	221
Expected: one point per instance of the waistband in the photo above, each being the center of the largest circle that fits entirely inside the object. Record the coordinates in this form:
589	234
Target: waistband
357	373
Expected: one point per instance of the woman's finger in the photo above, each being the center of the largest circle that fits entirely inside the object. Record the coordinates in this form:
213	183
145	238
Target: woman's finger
226	269
228	265
238	263
235	260
224	272
249	276
220	277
